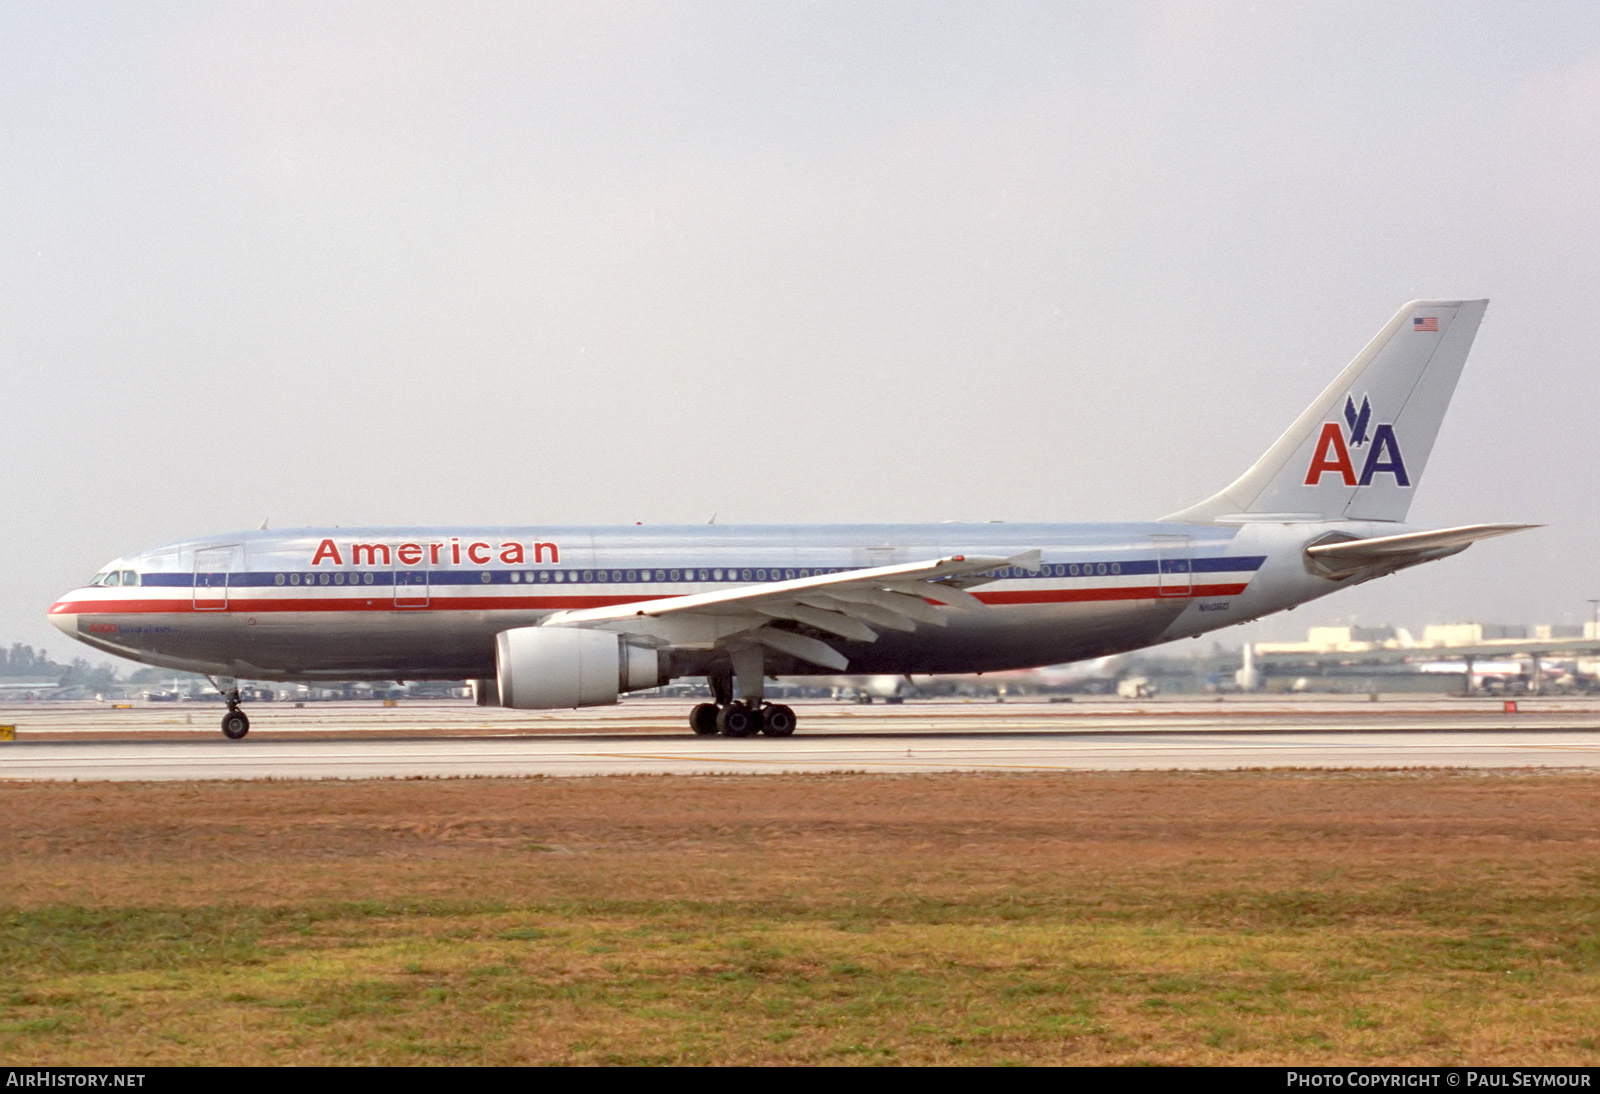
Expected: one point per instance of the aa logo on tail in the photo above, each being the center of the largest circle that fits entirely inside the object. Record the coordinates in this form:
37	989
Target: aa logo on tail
1332	454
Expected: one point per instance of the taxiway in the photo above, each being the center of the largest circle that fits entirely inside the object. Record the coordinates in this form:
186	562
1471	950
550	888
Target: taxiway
648	737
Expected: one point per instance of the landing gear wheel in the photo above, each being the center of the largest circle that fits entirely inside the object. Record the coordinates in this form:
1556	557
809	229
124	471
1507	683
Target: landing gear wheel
235	725
739	720
703	719
777	721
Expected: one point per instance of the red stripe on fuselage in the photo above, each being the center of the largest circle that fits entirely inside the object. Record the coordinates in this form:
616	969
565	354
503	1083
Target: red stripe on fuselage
239	605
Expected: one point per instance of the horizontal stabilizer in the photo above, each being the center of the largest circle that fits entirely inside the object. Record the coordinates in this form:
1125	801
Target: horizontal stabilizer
1344	556
1413	543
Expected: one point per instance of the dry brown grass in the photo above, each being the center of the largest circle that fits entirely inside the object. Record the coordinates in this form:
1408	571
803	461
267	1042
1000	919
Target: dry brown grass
1239	917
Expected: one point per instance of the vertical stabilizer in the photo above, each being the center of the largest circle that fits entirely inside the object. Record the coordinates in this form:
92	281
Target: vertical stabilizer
1359	450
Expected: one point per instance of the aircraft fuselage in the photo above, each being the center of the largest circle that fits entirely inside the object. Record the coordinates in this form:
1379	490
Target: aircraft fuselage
418	604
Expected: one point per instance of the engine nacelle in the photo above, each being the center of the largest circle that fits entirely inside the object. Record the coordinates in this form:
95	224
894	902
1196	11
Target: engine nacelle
545	668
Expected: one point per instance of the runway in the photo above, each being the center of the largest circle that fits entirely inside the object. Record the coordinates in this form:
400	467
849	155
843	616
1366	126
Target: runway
93	742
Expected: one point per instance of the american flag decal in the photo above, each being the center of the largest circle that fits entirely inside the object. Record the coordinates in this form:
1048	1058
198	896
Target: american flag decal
1425	323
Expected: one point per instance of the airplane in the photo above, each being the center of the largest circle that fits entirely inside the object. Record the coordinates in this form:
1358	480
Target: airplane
560	617
1100	674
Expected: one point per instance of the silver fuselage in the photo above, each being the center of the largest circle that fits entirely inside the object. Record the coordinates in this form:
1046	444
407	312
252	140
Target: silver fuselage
416	604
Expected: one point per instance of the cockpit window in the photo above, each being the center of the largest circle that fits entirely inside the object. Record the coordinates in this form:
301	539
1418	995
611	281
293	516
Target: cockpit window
112	577
130	577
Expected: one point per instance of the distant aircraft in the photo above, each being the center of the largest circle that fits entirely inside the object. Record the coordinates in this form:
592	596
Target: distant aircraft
29	689
1100	674
550	617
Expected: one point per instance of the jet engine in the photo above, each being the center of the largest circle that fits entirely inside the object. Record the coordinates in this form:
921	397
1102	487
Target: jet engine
544	668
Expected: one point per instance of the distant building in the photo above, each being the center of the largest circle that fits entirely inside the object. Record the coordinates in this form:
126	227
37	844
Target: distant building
1470	634
1351	639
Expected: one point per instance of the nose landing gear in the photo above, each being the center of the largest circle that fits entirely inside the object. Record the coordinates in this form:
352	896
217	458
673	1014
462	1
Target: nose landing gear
234	723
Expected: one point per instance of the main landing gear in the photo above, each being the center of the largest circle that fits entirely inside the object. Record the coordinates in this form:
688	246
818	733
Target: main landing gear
744	718
234	724
750	713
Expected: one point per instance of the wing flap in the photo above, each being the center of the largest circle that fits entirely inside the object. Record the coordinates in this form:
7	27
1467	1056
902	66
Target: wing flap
831	622
806	648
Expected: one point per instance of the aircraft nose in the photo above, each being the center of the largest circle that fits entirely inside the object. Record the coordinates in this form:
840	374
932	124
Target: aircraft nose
65	620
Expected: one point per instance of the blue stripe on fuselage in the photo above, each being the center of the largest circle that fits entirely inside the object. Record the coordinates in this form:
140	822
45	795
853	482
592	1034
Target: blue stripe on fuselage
675	575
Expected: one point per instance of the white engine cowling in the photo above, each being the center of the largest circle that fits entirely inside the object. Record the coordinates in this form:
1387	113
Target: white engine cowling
545	668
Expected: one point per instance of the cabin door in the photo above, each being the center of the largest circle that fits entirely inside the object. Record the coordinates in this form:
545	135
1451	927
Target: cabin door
212	568
1174	565
411	584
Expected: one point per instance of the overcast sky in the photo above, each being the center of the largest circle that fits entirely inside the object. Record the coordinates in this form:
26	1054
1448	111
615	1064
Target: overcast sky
457	264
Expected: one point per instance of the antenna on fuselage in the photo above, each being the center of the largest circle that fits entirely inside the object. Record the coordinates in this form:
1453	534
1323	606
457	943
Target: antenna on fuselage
264	523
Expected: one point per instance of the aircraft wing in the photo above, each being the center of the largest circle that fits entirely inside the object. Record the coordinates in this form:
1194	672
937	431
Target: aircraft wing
1406	548
844	605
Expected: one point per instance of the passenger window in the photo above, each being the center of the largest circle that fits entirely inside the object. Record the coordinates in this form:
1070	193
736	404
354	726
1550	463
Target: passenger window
278	580
294	579
486	577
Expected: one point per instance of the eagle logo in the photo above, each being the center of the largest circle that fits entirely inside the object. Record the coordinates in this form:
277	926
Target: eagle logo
1332	452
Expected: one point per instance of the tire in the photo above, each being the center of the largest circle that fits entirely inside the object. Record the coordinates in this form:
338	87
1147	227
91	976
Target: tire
235	725
739	720
777	721
703	719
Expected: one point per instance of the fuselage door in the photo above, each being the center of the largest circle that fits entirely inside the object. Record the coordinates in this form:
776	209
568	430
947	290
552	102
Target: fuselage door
212	567
1174	565
411	584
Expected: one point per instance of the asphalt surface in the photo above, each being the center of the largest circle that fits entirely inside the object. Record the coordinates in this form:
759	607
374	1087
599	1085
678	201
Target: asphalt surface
95	741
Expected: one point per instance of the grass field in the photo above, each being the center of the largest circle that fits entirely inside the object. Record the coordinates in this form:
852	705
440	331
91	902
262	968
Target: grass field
1258	917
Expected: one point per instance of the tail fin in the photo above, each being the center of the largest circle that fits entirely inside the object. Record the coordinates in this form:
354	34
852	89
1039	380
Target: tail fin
1358	452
